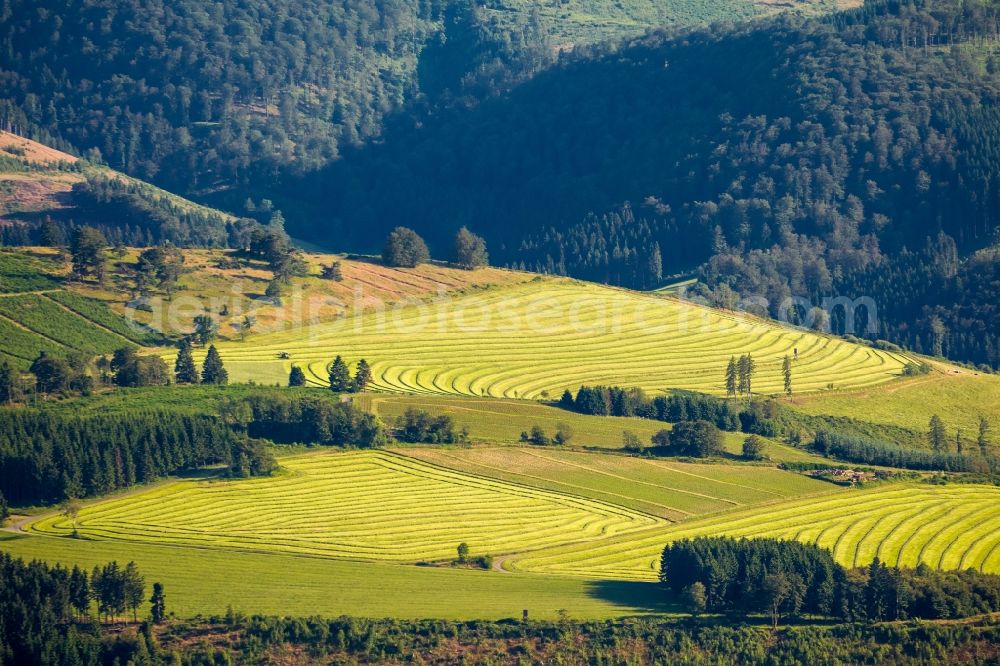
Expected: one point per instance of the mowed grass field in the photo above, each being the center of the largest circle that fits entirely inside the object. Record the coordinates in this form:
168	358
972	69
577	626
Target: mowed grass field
536	339
206	582
950	527
957	395
671	490
372	505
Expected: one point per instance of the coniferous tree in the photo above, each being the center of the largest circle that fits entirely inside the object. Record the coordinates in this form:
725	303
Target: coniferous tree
786	371
185	371
7	383
296	377
566	401
135	588
751	367
87	248
158	604
362	376
936	435
340	376
731	373
205	328
213	371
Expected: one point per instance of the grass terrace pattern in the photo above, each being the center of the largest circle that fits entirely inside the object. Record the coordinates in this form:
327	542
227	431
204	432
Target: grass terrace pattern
537	339
367	505
951	527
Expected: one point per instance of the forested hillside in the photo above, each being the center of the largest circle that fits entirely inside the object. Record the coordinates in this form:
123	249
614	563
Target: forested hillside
854	154
224	97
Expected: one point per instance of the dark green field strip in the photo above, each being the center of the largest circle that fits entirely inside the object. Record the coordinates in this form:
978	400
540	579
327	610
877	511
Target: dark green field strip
100	314
24	344
52	321
19	274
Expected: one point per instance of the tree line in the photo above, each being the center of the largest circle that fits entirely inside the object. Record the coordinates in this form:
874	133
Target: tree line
46	613
792	579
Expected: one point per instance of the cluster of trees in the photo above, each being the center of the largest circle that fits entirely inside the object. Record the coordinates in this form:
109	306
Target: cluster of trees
788	578
404	248
869	451
213	371
47	456
305	419
39	603
697	439
340	377
673	408
538	436
418	426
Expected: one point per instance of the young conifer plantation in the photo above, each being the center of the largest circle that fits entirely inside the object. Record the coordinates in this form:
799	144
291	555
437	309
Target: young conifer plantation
466	332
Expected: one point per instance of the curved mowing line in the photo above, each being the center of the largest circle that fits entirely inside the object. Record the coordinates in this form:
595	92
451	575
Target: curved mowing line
675	345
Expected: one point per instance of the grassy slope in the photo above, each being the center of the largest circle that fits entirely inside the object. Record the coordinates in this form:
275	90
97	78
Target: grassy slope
538	338
207	581
959	396
369	505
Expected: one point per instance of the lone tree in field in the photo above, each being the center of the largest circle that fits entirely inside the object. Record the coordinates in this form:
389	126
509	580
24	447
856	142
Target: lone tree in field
786	371
936	435
753	448
463	552
87	248
405	249
158	604
340	377
296	377
731	377
185	371
245	326
332	272
470	250
362	376
213	372
982	441
205	328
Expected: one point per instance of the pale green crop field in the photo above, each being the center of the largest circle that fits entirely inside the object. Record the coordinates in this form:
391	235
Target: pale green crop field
947	527
536	339
366	505
668	489
207	581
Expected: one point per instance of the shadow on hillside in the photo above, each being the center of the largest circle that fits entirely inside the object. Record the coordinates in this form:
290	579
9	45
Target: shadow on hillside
644	597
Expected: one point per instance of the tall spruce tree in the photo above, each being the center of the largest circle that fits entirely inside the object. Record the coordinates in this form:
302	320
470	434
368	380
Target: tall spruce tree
786	371
213	371
982	440
7	383
340	377
936	435
362	376
731	382
185	371
296	377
